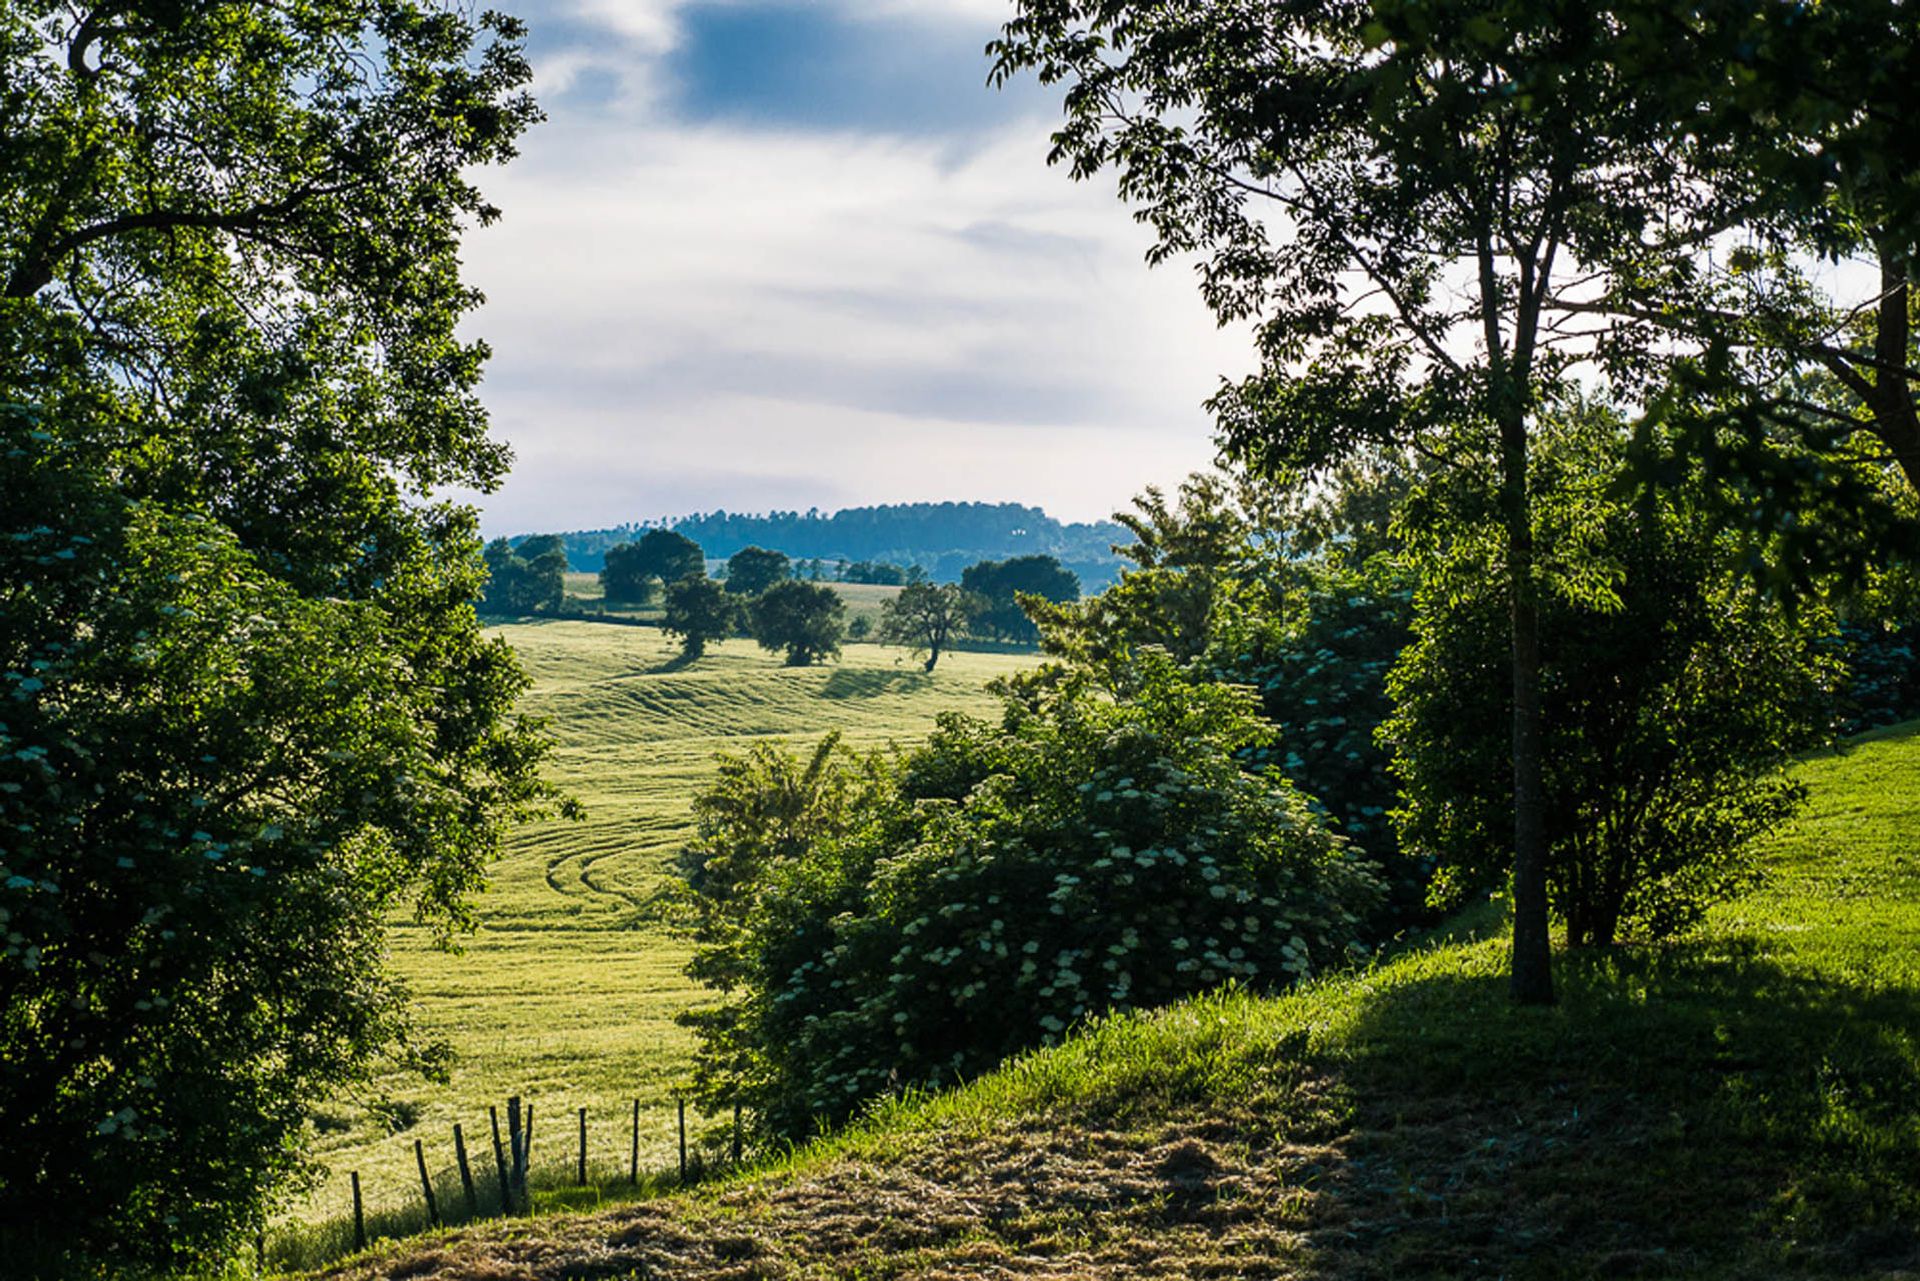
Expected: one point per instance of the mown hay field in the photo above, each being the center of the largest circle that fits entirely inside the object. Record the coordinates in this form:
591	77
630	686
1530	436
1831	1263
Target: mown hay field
568	993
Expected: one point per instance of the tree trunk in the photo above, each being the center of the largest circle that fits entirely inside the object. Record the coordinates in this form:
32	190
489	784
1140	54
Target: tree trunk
1892	404
1532	978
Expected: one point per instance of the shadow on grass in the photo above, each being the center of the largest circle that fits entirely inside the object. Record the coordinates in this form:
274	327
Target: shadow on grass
871	684
1690	1110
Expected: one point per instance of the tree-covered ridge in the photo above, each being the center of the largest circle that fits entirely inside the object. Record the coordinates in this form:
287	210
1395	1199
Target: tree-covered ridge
942	538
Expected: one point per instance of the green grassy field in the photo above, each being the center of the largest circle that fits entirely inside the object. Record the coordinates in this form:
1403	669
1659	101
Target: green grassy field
568	993
1743	1102
863	600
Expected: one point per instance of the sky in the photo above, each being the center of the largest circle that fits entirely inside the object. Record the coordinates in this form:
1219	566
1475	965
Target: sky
797	253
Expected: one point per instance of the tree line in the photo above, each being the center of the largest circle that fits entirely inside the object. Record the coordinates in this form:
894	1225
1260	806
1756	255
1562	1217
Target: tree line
938	539
669	567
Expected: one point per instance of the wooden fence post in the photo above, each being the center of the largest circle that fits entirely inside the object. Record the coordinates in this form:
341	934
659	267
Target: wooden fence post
426	1184
582	1180
633	1160
736	1132
466	1172
683	1140
500	1162
517	1151
359	1215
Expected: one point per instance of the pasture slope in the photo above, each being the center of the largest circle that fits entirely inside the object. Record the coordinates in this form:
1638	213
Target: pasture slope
1742	1104
568	992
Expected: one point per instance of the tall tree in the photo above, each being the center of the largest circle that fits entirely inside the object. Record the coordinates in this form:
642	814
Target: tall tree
699	610
752	570
249	710
928	617
1001	583
665	555
805	619
1402	195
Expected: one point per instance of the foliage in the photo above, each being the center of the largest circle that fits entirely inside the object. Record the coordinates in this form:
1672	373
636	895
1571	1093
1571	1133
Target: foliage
802	618
1320	668
1001	583
698	611
661	555
1183	556
884	924
927	618
1793	378
231	298
1247	591
518	584
1445	179
215	789
752	570
1672	709
882	573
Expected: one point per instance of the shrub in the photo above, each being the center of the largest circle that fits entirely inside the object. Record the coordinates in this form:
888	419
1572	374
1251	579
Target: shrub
1320	667
884	923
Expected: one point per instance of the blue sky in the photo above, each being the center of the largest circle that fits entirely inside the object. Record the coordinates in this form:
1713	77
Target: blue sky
778	253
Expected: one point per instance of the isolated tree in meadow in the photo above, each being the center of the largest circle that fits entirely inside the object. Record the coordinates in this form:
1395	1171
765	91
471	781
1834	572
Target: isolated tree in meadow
802	618
699	610
927	617
249	713
1408	200
752	570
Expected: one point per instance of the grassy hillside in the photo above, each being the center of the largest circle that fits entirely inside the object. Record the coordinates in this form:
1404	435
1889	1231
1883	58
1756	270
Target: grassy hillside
568	993
1745	1103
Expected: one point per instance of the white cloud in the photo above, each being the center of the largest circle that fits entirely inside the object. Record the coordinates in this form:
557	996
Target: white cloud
653	25
687	317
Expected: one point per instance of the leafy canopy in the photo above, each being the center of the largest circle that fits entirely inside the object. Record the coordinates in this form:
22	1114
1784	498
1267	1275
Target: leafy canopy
804	619
247	709
699	610
928	617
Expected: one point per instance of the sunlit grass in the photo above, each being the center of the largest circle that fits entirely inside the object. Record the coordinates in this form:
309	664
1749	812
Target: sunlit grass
567	995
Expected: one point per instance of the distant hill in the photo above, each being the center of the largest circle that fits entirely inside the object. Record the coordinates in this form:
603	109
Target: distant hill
941	538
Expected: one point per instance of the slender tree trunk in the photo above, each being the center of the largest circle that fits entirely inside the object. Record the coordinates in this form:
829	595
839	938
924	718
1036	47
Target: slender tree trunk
1892	404
1532	946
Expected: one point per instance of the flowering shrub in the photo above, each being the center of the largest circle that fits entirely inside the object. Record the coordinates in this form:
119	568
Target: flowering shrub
1005	882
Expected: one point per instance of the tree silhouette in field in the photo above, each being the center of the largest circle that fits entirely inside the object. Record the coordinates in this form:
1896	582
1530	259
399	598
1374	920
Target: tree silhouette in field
804	619
1001	583
631	569
753	570
699	610
529	579
927	618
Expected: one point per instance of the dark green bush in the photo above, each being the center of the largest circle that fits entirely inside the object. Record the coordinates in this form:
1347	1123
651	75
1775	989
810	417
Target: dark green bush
879	924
